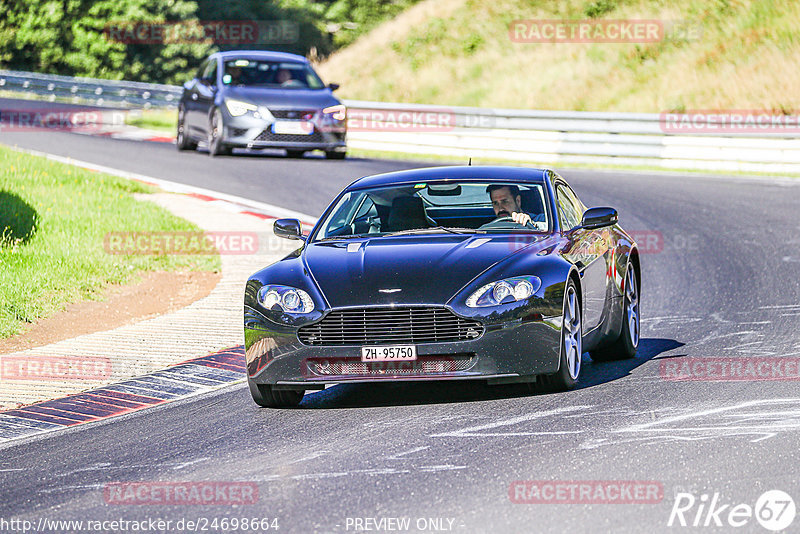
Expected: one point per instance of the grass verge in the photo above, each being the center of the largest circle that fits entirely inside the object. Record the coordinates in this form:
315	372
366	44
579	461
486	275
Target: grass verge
160	120
54	218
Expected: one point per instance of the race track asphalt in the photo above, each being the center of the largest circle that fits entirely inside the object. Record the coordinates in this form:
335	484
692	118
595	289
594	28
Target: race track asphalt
720	280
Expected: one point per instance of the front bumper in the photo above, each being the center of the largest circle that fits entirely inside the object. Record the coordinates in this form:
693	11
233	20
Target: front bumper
252	132
516	350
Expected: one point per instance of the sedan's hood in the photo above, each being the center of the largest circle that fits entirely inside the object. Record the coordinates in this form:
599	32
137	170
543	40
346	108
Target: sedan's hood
283	98
425	270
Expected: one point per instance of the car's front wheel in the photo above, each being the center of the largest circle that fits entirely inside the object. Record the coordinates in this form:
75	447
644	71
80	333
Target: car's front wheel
571	343
181	138
215	128
266	396
624	347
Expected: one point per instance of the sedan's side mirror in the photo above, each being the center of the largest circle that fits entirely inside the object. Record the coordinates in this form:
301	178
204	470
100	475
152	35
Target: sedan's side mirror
288	228
333	86
599	218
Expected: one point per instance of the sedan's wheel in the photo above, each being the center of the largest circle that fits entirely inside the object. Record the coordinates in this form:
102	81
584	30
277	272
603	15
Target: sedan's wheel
181	139
571	343
335	155
216	126
264	395
625	345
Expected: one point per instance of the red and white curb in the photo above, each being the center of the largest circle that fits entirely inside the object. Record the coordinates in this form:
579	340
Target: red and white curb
188	379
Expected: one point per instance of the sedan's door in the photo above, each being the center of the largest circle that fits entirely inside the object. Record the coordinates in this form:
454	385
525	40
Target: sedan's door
587	250
201	98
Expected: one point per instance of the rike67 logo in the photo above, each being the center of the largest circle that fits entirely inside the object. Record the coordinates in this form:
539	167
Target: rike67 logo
774	510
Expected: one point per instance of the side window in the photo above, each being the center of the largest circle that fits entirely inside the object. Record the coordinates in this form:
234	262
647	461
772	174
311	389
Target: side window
570	209
201	70
210	73
367	209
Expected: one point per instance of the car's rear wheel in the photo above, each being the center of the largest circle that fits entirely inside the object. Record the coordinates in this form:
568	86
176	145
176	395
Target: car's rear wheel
571	350
331	154
266	396
181	138
625	345
215	128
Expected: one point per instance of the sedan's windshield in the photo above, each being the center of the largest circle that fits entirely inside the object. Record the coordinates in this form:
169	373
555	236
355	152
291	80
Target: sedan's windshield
277	74
437	207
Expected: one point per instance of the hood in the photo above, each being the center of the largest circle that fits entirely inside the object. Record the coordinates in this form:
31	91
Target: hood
283	98
426	269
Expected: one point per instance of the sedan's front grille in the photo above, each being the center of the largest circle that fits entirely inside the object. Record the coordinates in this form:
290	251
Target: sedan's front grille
425	365
382	326
306	114
267	135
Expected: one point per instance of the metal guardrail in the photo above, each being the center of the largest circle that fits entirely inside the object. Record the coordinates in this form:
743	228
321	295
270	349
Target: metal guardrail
90	90
545	137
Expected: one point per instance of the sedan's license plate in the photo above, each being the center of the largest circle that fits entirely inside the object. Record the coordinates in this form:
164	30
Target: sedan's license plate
389	353
293	127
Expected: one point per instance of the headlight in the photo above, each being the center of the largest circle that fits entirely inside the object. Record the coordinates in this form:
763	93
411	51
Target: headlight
338	112
504	291
237	107
285	299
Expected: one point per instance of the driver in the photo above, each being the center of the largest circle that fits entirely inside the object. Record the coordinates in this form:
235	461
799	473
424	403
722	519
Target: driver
283	76
507	202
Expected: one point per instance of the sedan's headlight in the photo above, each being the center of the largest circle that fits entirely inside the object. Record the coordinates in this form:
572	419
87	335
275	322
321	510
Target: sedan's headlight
338	112
504	291
238	108
285	299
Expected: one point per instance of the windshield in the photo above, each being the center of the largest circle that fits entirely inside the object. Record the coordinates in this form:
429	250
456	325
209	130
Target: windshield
436	207
278	74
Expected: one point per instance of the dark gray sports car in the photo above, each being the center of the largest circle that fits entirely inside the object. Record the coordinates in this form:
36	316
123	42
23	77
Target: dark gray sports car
456	273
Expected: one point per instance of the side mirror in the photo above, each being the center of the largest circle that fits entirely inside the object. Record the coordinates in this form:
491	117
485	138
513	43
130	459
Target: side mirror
599	218
333	86
288	228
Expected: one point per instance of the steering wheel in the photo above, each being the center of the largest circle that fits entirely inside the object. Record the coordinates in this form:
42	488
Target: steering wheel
500	223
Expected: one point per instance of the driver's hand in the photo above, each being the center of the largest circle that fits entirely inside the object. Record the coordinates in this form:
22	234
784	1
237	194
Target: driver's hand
521	218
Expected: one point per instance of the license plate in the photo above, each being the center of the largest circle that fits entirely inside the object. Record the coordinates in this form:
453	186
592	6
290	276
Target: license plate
293	127
392	353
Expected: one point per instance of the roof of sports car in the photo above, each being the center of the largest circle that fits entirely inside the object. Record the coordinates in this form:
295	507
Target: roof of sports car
475	173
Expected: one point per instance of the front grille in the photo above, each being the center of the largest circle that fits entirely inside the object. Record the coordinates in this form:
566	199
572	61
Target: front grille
425	365
306	114
267	135
381	326
238	132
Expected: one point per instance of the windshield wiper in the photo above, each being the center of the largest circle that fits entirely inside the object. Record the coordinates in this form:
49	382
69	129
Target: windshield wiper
462	231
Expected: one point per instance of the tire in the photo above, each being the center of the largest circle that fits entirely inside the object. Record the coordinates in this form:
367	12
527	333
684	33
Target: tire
294	154
335	155
264	395
216	126
571	350
182	140
624	347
